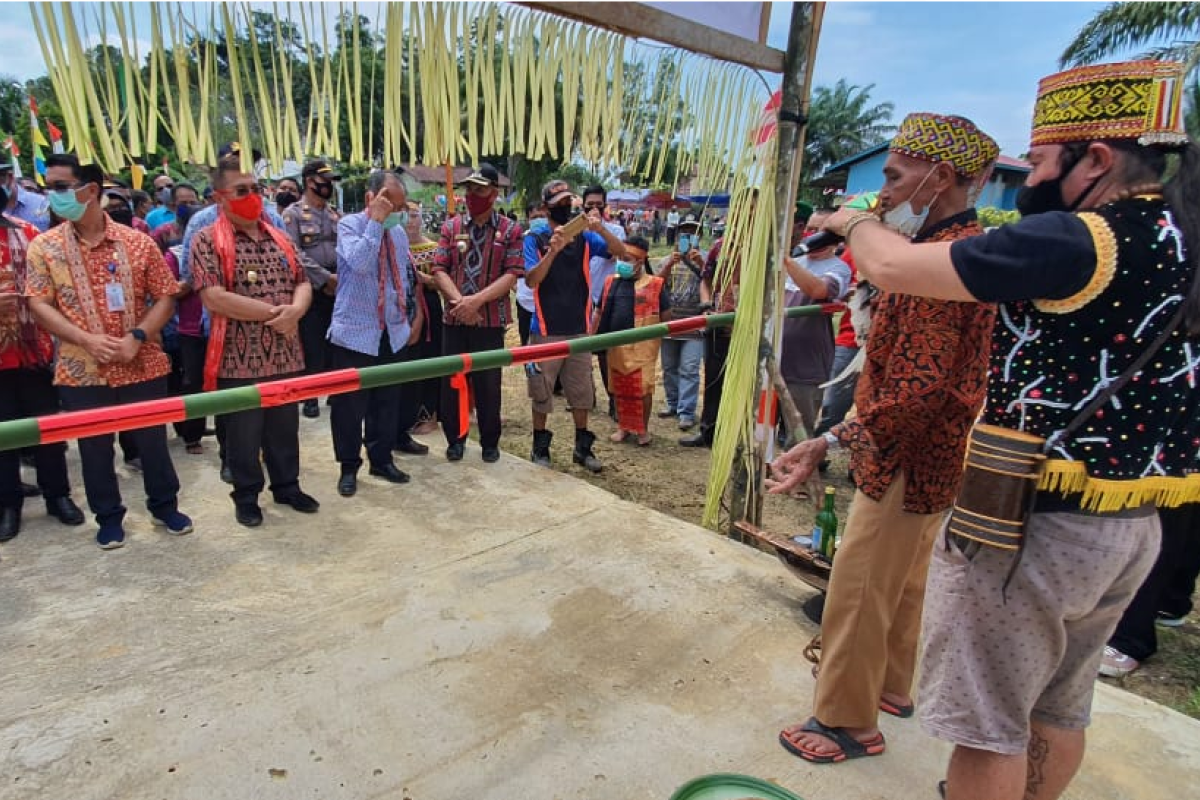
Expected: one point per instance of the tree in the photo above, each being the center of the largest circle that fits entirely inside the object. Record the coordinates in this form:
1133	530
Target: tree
1123	26
842	122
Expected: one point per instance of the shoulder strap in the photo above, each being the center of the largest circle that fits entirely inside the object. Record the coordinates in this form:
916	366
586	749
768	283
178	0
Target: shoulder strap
1119	383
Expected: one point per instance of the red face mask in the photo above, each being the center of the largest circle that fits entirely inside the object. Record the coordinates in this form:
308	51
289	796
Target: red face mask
248	207
477	205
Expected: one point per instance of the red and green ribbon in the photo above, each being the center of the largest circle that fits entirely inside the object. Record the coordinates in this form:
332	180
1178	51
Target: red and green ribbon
112	419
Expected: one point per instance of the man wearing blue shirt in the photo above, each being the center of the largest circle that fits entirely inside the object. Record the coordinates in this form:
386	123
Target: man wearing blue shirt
557	270
22	204
375	316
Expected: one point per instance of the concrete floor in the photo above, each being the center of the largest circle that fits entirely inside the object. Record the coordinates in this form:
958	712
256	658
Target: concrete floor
483	632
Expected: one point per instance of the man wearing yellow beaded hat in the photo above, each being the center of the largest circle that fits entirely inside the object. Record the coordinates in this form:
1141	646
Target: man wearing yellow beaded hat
921	388
1090	359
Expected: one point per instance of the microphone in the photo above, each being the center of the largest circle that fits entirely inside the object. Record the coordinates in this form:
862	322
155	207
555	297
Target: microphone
818	241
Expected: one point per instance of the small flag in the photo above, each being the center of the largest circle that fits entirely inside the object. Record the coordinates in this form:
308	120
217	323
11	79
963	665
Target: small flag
56	137
768	123
35	135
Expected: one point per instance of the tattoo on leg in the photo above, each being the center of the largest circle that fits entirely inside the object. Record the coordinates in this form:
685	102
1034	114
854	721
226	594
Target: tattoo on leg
1038	752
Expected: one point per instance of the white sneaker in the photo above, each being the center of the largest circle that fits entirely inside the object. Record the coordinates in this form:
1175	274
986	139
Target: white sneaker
1116	664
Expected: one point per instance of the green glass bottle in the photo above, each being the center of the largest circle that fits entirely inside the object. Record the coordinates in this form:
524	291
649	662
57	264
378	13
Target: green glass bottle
827	521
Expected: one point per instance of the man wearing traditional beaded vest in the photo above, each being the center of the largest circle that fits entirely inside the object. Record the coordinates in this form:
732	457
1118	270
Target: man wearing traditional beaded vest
1095	275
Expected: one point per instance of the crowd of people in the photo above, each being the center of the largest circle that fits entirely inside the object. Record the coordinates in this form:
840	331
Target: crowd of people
1067	332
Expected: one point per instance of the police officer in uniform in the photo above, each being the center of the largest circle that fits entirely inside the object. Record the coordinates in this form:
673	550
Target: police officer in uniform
312	224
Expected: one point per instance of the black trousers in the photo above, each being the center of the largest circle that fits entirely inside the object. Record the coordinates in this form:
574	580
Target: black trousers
96	452
1177	565
313	327
192	351
524	322
30	393
275	433
486	384
190	430
378	408
422	399
716	352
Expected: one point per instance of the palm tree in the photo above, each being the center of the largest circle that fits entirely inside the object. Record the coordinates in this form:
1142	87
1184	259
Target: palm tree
1122	26
842	122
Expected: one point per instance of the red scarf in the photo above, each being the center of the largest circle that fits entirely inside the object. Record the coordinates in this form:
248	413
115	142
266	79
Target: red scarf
223	241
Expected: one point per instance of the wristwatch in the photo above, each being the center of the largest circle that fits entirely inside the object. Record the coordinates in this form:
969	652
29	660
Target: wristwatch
831	441
138	334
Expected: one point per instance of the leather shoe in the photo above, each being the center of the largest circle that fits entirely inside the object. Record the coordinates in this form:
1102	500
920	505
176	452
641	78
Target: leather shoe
311	409
348	485
64	510
412	447
455	452
30	490
491	454
298	500
696	440
227	474
391	473
248	514
10	523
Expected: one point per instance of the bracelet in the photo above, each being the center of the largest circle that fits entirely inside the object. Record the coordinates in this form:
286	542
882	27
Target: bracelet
831	441
855	220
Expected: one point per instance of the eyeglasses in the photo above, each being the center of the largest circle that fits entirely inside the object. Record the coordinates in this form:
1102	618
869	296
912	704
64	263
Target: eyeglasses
238	192
64	186
597	206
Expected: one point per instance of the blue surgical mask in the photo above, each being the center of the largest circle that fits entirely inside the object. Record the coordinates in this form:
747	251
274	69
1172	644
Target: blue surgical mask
66	205
395	218
625	269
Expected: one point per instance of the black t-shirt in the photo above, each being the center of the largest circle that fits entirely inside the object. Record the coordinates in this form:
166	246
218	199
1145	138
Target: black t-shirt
1047	256
618	313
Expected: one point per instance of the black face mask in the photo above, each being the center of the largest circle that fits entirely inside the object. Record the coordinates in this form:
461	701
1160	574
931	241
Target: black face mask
322	190
561	215
285	199
1047	195
121	214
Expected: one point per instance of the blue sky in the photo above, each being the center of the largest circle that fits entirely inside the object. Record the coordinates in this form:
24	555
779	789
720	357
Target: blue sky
978	60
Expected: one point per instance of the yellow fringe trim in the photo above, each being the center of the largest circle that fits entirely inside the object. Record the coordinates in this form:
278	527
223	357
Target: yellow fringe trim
1100	495
1106	268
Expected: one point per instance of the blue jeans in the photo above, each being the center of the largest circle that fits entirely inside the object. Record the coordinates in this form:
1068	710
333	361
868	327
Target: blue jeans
839	397
681	359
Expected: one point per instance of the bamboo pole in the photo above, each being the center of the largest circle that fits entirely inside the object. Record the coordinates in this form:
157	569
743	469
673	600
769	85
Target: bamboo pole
803	32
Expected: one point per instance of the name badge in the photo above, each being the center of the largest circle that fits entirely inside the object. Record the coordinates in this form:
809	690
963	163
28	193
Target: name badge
114	295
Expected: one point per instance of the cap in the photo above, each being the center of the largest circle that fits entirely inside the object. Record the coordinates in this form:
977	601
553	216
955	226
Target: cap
231	149
690	220
319	169
485	175
554	191
953	140
1140	100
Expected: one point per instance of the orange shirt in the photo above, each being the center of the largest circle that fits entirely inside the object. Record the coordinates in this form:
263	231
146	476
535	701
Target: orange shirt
49	277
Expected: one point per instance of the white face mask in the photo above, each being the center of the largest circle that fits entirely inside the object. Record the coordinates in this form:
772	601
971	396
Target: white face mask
903	219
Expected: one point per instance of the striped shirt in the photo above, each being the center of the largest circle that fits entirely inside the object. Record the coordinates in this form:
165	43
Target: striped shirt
355	323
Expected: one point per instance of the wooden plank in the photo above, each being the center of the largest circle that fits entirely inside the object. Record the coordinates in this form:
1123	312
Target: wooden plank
638	20
799	560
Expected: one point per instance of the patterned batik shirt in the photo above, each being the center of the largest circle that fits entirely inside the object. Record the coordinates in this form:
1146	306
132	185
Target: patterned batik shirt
48	277
923	383
252	349
479	255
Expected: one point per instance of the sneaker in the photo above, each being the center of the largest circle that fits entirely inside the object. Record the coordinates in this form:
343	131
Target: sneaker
1168	620
666	413
176	524
686	423
110	536
1116	664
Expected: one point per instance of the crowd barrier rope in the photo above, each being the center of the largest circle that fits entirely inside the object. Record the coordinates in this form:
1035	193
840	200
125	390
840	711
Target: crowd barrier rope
69	425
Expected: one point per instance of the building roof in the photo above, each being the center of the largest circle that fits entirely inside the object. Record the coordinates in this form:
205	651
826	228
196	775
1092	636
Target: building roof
836	173
423	174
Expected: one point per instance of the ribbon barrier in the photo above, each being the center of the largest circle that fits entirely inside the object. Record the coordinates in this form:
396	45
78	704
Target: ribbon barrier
112	419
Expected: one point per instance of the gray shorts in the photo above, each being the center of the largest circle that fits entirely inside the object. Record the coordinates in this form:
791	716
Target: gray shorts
991	666
575	371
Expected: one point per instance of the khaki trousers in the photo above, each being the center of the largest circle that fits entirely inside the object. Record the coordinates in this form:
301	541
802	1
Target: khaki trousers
872	619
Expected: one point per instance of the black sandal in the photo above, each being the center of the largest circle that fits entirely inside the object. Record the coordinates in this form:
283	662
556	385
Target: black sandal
850	747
